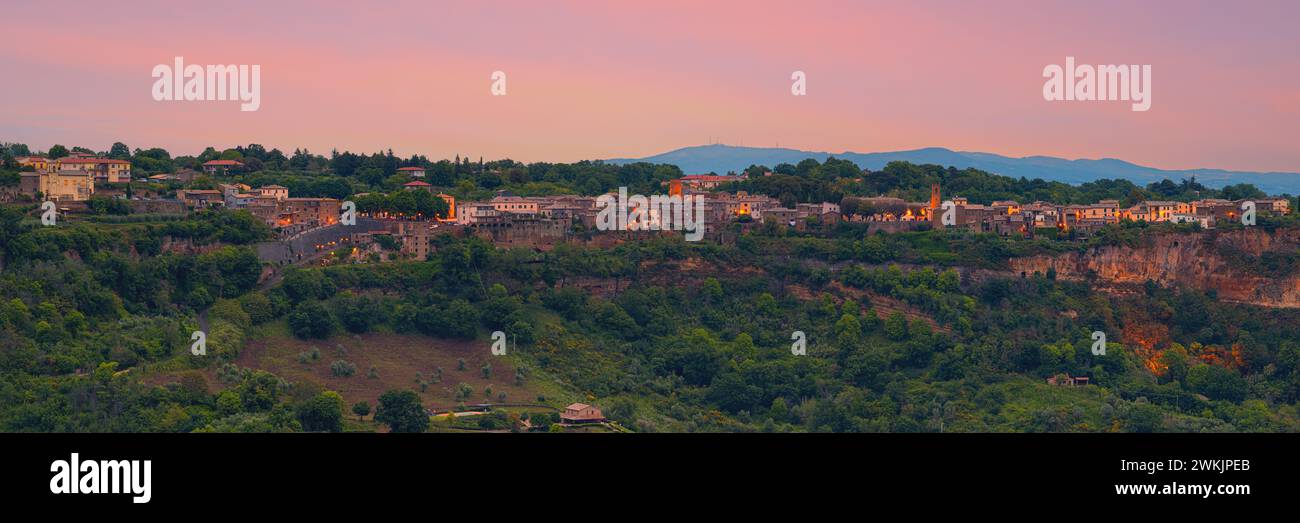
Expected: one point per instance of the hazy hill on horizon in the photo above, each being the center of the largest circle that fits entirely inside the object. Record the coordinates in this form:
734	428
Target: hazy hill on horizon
724	158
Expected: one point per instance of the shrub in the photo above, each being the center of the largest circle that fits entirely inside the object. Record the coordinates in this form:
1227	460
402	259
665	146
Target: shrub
361	409
231	311
309	355
258	307
343	369
311	320
402	411
323	413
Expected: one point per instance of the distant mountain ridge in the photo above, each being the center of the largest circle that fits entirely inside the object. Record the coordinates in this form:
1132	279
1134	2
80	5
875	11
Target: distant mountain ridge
724	158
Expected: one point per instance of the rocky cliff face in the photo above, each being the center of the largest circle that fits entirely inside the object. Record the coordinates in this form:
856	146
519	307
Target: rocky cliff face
1225	262
186	246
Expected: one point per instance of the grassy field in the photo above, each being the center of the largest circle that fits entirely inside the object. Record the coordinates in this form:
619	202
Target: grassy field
396	358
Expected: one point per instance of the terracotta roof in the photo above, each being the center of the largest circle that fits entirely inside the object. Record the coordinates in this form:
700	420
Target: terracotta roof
221	163
417	184
411	169
93	160
577	406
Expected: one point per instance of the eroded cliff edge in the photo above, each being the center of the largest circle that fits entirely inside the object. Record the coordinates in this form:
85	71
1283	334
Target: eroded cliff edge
1249	265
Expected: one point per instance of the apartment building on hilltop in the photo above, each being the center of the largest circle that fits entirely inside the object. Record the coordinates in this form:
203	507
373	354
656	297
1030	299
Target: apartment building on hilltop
101	169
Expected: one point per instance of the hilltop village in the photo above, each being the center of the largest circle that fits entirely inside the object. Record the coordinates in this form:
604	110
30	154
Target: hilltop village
371	279
543	221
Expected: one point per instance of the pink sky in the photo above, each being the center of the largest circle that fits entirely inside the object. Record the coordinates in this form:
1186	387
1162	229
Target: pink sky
593	80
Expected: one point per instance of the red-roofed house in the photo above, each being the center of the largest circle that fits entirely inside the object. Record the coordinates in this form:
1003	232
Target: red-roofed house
581	413
413	172
219	166
417	186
